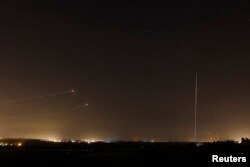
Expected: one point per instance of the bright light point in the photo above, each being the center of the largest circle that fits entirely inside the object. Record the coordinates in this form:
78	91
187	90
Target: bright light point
72	91
54	140
92	140
86	104
198	144
19	144
3	144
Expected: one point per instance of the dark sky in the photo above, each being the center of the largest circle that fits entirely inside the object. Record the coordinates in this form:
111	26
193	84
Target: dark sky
134	63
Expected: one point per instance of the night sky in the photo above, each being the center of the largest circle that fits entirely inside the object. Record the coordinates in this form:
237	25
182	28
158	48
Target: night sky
133	63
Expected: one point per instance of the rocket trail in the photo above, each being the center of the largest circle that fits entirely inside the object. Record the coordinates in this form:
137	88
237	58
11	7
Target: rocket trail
37	97
81	106
75	109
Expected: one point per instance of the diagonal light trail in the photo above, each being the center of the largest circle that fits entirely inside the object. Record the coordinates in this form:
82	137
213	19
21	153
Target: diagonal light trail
75	109
37	97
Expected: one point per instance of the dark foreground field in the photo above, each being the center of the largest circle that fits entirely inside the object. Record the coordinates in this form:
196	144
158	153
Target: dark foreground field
124	154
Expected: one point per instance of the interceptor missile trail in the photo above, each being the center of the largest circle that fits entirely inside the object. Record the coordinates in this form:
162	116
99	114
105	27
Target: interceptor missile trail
46	114
38	97
81	106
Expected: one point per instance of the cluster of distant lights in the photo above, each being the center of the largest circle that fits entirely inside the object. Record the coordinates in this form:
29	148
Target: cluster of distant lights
7	144
89	141
55	140
20	144
73	141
